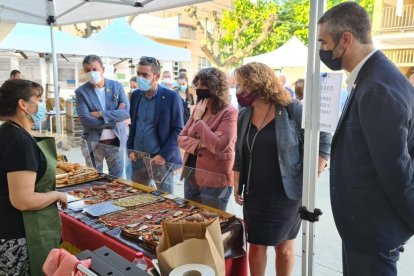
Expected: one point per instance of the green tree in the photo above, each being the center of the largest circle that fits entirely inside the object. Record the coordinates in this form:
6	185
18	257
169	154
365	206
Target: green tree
295	14
255	28
247	30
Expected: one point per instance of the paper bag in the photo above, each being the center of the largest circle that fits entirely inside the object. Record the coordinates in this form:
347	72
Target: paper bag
191	242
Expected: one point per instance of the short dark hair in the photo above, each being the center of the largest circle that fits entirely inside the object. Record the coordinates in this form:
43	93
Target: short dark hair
299	87
89	59
13	90
182	77
182	70
14	73
133	79
150	61
348	17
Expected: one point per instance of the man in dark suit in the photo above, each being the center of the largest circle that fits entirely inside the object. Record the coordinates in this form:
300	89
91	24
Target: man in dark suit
372	172
102	107
156	121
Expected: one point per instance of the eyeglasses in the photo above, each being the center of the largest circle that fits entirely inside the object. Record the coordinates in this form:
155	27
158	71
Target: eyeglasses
151	60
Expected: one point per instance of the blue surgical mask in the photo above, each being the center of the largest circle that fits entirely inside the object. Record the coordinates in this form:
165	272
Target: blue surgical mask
41	112
183	88
31	116
143	84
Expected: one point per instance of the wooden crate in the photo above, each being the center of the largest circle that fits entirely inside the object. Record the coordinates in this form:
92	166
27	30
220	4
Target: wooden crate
73	125
71	109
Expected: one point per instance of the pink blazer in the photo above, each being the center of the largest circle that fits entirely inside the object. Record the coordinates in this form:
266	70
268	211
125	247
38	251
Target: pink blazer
218	135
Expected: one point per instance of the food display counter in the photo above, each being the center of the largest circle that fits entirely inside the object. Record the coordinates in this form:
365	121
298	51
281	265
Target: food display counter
126	216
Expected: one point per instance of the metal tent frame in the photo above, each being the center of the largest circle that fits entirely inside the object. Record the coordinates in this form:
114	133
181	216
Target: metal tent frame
62	12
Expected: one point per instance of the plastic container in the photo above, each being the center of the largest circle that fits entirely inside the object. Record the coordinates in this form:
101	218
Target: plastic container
140	261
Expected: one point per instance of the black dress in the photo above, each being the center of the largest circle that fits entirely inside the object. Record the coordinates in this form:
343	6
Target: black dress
271	217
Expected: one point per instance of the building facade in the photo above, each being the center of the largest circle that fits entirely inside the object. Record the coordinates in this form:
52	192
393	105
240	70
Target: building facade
186	35
393	32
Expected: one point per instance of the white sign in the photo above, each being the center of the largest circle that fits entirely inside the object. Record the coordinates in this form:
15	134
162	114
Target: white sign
330	101
330	85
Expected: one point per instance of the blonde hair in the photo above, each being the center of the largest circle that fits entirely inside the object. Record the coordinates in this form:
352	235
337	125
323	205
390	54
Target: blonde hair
259	80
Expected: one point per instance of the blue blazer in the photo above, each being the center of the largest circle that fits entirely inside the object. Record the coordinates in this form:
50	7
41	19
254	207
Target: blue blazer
113	118
168	121
372	166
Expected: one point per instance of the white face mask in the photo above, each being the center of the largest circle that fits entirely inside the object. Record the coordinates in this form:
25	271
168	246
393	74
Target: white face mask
94	77
167	81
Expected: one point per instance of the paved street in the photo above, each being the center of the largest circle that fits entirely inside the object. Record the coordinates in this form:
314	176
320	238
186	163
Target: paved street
328	260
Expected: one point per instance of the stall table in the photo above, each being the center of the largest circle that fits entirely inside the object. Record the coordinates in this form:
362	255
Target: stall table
84	237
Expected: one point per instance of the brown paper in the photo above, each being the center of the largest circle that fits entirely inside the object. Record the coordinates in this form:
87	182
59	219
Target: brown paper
191	242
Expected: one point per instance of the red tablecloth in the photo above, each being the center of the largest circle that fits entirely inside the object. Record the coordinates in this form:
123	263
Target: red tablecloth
85	237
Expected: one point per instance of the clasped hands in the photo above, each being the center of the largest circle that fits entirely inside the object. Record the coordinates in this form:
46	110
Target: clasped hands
157	160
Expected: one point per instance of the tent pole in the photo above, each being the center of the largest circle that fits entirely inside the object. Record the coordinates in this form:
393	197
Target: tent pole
55	81
311	147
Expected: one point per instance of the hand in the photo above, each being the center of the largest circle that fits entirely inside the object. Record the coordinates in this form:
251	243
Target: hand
133	156
62	200
158	160
95	114
200	146
238	198
200	109
121	106
319	173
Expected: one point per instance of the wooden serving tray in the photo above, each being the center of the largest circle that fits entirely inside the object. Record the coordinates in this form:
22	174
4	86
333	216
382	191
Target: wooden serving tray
80	182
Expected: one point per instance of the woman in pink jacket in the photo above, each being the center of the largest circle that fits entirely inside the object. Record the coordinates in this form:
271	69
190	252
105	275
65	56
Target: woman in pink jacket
208	140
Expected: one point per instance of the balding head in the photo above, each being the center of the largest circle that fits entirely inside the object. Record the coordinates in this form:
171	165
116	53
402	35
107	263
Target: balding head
282	79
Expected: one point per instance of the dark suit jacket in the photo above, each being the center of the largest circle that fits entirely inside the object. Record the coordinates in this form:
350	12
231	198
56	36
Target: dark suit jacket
372	172
168	121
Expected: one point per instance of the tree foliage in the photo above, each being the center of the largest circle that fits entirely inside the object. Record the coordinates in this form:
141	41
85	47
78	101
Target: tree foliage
295	14
229	37
255	28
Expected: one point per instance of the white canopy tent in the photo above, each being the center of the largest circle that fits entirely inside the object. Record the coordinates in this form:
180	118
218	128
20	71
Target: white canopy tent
152	26
119	37
63	12
291	54
36	38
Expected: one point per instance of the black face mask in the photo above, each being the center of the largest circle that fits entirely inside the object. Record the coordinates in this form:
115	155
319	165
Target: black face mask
203	94
327	58
334	64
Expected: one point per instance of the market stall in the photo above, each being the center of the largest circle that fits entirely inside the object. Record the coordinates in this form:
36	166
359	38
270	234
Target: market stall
127	217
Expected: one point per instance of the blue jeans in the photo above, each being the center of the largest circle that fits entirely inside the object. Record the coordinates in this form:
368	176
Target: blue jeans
114	156
213	197
357	263
144	173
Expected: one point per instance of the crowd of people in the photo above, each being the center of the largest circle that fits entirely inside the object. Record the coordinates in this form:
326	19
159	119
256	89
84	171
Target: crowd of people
243	138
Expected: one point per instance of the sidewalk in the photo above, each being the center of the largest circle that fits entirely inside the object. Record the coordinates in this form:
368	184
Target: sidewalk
328	258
